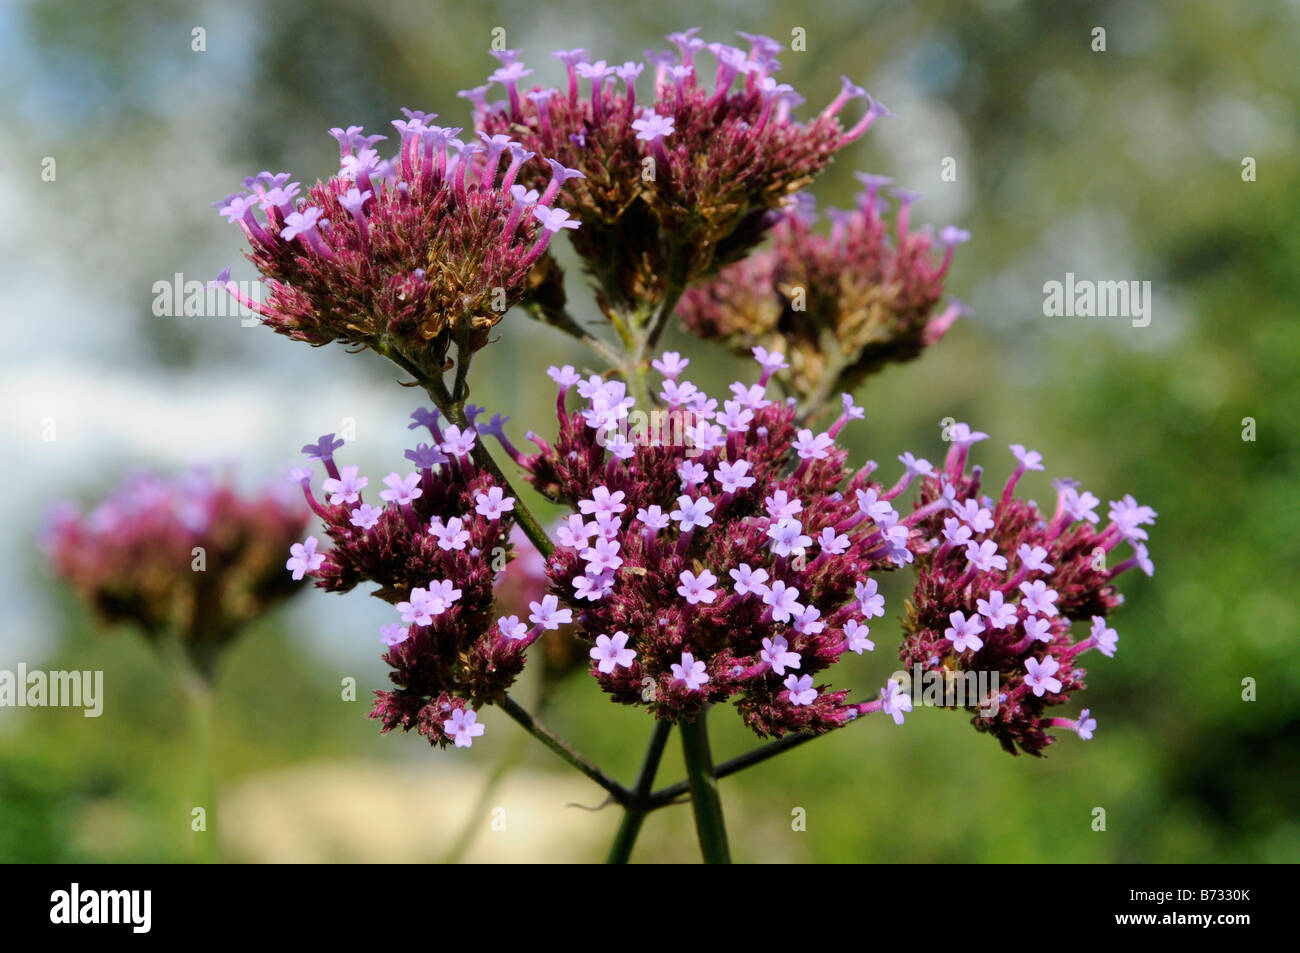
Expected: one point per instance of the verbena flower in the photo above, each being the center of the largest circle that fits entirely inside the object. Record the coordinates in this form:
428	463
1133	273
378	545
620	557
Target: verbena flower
1003	587
731	555
683	167
403	254
190	557
725	552
841	303
436	547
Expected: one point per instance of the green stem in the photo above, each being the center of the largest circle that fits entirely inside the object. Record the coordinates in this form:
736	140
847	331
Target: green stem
194	684
669	795
561	320
705	801
437	390
634	816
620	794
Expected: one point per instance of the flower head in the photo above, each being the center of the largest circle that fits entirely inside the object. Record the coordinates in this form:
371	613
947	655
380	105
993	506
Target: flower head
400	255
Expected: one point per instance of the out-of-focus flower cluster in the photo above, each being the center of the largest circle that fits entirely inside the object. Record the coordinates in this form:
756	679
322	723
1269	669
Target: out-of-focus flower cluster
840	304
436	542
680	178
1000	587
189	558
405	255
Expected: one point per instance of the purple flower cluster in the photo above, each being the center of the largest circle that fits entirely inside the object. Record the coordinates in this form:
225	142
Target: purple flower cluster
1000	586
190	558
681	178
840	304
436	545
716	553
405	254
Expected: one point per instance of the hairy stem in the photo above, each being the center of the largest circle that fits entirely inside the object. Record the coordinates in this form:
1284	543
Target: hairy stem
705	801
635	813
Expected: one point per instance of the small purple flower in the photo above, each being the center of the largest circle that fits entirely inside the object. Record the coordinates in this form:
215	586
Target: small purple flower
303	558
670	365
855	636
346	489
1001	614
463	726
393	634
1039	628
692	513
602	501
733	476
749	580
416	608
776	653
780	507
1038	599
1040	676
613	652
832	543
1033	558
457	442
1029	459
451	535
1086	726
493	503
548	613
653	518
602	556
1080	506
810	447
401	489
442	594
696	589
788	538
984	556
554	219
801	690
691	672
870	600
302	223
511	628
652	127
783	600
1103	638
365	516
894	701
964	632
323	449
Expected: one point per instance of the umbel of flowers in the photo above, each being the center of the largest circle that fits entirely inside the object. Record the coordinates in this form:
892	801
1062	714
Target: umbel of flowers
190	560
684	163
1002	587
711	551
720	554
435	541
727	554
842	303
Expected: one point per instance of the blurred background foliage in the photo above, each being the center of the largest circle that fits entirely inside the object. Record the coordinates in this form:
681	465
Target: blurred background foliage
1117	165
